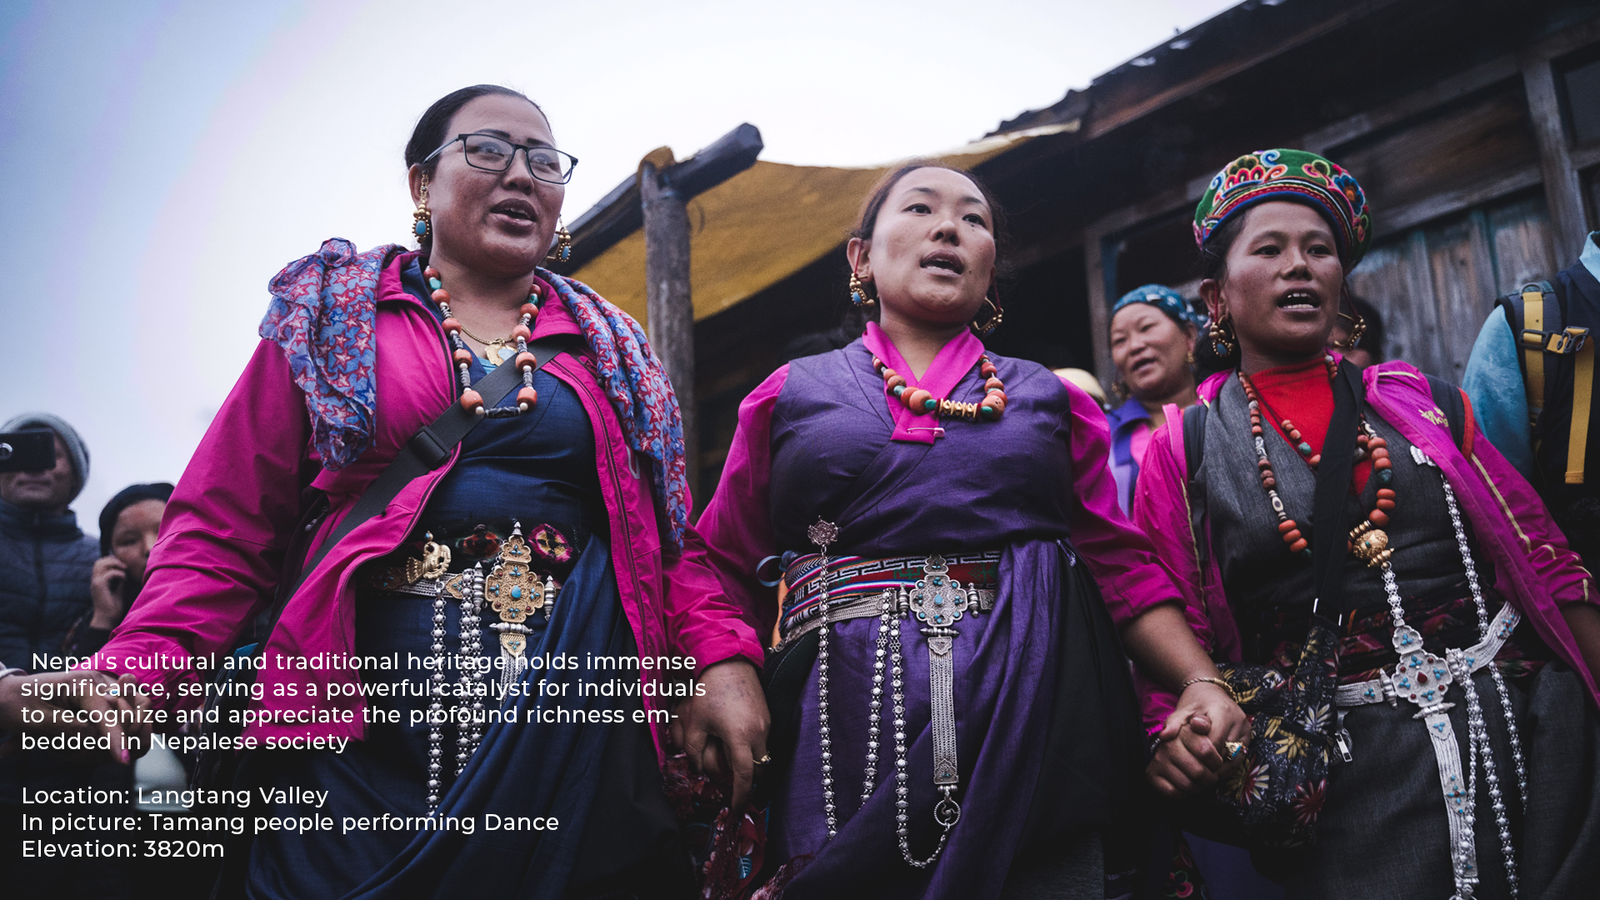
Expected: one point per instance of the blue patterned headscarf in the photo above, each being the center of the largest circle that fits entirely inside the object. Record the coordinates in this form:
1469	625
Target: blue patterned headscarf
1163	298
323	314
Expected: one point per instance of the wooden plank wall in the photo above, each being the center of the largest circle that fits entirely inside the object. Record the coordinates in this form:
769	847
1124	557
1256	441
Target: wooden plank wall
1462	176
1435	284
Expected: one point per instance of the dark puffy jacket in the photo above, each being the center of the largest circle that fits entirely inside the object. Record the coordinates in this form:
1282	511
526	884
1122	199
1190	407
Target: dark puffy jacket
45	563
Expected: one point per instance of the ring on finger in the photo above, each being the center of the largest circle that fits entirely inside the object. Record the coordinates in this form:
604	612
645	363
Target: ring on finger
1234	748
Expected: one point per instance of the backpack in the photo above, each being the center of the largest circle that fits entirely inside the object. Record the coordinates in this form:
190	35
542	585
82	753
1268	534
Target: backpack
1536	314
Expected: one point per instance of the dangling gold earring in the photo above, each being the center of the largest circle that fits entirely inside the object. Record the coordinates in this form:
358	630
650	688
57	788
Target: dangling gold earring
993	322
422	224
861	291
562	251
1220	331
1358	327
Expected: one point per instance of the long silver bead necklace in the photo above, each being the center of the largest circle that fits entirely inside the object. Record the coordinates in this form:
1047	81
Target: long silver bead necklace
940	602
436	704
1408	642
823	534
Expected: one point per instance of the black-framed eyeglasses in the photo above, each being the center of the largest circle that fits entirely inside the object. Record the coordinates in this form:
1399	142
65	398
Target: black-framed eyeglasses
494	154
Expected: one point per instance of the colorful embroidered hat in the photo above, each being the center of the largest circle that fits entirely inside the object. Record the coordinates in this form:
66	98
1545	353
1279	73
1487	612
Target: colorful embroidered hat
1163	298
1295	175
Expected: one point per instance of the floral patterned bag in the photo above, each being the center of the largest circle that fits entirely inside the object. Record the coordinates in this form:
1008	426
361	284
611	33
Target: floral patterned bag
1271	801
1271	798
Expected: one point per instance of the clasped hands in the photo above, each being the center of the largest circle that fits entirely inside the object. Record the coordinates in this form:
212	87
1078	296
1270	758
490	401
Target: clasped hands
111	705
723	731
1191	752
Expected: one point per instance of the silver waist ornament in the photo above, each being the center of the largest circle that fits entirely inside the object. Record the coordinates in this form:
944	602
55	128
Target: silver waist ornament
938	603
1424	679
514	593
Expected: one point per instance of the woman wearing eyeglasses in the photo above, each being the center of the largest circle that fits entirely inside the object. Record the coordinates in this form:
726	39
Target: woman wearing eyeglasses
434	675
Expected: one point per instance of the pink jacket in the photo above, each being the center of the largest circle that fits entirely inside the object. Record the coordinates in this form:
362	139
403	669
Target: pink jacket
226	527
1534	568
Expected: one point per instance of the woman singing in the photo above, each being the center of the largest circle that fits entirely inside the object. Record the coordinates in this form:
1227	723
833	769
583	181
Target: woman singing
1468	636
555	533
960	731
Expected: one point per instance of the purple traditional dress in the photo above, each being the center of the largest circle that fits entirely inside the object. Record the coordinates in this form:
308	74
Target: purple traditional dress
1004	506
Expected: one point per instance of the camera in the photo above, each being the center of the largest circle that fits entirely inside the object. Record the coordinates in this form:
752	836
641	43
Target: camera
27	451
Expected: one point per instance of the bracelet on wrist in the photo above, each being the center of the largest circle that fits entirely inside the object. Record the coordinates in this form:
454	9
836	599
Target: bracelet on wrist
1233	695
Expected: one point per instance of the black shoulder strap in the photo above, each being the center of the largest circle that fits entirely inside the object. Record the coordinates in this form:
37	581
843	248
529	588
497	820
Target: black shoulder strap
1511	305
1333	486
1194	449
427	450
1447	397
1194	437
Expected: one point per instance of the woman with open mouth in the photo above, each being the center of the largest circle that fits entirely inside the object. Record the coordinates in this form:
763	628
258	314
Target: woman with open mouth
1347	532
952	716
490	459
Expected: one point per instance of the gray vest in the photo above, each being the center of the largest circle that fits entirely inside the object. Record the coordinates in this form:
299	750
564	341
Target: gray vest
1261	576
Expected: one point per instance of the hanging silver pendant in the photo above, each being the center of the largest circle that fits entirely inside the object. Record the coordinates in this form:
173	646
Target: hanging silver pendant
939	602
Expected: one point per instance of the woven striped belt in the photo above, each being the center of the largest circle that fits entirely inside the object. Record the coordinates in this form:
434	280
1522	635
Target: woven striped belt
856	585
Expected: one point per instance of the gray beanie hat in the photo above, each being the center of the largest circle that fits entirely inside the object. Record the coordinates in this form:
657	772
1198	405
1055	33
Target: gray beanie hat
69	436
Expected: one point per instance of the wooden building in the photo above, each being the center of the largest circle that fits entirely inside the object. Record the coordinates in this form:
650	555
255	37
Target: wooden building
1473	125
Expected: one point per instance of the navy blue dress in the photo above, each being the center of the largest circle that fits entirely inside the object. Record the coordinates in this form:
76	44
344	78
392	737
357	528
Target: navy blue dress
598	780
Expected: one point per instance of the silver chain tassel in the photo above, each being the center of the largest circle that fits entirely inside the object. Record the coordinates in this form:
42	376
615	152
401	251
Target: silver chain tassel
940	603
1480	750
822	534
436	703
1477	729
470	681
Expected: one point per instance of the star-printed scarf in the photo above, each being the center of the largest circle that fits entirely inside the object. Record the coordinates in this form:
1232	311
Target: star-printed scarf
323	314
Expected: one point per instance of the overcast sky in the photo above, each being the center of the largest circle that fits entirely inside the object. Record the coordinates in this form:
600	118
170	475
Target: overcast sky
163	160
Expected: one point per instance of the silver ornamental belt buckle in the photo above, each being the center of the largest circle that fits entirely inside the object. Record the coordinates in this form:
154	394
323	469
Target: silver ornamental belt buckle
936	599
1419	676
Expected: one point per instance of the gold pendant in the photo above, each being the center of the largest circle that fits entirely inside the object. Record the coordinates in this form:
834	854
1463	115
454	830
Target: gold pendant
1370	544
491	351
512	588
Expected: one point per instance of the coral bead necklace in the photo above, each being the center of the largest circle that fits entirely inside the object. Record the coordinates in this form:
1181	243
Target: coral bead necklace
920	401
471	400
1368	541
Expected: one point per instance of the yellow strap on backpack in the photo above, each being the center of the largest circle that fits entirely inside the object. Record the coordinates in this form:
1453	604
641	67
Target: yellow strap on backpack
1582	401
1533	353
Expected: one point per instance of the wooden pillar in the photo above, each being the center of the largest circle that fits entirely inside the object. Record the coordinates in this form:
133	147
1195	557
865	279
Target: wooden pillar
669	309
1095	264
1562	193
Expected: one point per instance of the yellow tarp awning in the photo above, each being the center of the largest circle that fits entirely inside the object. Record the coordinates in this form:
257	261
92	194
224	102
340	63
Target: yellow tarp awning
763	225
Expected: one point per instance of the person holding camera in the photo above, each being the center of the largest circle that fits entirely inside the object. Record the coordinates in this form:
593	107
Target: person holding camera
46	565
45	558
129	525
